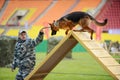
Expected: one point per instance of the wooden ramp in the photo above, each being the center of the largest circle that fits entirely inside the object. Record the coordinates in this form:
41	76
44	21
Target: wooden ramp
66	44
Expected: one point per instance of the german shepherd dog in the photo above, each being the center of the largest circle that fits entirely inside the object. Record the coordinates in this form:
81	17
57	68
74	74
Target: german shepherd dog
70	20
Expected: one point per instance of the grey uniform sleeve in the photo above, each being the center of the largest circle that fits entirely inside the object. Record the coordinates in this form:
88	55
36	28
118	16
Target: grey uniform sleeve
37	40
14	63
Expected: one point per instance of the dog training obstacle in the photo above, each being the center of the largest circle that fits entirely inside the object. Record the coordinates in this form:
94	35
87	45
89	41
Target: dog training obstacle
65	45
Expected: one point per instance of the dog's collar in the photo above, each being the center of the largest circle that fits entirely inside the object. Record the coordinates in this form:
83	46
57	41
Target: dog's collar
56	23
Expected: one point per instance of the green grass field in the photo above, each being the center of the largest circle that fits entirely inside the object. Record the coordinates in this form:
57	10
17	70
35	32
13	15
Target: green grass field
81	67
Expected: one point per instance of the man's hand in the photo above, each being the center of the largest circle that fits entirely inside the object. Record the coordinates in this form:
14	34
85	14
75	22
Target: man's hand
12	69
42	30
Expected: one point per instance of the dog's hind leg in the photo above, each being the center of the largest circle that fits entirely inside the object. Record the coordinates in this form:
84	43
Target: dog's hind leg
91	34
90	31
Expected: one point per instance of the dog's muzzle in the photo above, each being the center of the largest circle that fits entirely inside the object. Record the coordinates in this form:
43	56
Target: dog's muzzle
53	32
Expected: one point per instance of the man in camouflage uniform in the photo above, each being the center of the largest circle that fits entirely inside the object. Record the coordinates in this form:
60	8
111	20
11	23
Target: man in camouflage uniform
24	56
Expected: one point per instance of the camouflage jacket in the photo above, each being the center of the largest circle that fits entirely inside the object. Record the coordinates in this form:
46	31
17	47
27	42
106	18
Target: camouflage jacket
24	54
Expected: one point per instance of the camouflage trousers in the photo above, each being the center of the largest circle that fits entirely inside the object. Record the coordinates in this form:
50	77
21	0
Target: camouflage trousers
24	69
22	73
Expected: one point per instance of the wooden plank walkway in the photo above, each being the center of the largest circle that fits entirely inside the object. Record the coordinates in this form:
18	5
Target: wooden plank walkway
65	45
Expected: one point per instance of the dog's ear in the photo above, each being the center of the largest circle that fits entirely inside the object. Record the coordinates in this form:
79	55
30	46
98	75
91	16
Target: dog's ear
53	20
50	26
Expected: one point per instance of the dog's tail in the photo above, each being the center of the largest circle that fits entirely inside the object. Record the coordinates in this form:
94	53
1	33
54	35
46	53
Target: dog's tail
99	23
